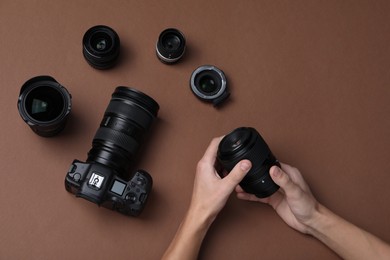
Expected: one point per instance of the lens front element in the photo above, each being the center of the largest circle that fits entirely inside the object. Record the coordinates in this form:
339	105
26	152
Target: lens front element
44	103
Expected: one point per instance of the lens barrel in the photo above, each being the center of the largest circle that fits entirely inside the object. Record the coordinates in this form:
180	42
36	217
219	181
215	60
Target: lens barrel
44	105
101	47
170	46
209	84
247	143
127	118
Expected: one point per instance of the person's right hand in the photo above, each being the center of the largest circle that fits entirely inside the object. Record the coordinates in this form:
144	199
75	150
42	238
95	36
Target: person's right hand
293	202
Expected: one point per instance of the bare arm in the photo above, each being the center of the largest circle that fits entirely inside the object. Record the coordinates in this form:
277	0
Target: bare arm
209	196
296	205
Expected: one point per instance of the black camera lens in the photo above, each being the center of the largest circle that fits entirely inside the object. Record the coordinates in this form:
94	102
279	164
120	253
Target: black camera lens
127	118
101	47
170	46
246	143
44	105
209	84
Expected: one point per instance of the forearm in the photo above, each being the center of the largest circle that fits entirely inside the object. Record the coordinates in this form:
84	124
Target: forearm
189	236
346	239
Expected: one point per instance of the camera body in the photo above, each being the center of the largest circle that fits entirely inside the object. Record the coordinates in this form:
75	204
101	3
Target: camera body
102	179
103	186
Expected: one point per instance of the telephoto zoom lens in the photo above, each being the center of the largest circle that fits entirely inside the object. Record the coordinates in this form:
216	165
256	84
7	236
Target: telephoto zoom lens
170	46
44	105
247	143
208	83
101	47
127	118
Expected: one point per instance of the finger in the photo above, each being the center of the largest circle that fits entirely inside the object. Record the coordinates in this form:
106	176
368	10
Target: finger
295	176
211	151
284	181
239	189
247	196
237	174
272	200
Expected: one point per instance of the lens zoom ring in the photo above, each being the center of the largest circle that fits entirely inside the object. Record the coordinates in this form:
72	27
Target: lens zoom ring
133	112
117	138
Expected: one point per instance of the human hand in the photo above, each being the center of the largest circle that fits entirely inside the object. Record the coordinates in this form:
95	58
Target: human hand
210	191
293	202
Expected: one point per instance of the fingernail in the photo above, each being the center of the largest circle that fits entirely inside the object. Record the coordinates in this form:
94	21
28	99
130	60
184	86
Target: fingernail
245	166
276	172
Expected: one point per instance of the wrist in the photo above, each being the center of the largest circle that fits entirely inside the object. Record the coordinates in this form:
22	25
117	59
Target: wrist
320	220
199	216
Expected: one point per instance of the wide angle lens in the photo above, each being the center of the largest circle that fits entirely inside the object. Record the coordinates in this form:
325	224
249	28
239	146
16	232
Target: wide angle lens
44	105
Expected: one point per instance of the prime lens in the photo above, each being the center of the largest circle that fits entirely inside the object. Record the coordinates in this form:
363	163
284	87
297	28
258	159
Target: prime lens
127	118
44	105
170	46
209	84
247	143
101	47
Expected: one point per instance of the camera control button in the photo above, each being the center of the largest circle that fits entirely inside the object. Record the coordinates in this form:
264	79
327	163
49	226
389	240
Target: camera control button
143	197
131	197
141	181
77	177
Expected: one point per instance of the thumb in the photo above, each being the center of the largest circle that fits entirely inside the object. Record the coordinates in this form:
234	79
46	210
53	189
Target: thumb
238	173
284	181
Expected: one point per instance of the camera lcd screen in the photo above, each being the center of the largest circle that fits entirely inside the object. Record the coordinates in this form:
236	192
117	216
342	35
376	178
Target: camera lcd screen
118	187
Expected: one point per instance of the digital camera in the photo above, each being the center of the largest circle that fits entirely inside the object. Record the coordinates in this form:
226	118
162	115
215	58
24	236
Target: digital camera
102	178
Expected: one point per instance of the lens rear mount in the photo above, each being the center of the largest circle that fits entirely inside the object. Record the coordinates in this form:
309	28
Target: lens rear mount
208	83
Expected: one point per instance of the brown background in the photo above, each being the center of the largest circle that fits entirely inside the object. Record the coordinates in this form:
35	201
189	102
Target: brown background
312	76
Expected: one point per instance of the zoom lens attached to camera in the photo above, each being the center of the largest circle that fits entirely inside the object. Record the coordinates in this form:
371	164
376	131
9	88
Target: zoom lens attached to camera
246	143
101	47
170	46
44	105
102	178
209	84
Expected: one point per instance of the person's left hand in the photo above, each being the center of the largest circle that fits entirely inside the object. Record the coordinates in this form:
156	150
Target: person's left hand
210	192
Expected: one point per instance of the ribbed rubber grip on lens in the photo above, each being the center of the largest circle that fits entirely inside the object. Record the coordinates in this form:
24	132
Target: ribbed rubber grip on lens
118	138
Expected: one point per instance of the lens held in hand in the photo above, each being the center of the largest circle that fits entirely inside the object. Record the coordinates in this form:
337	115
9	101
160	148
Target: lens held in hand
101	47
170	46
247	143
209	84
44	105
